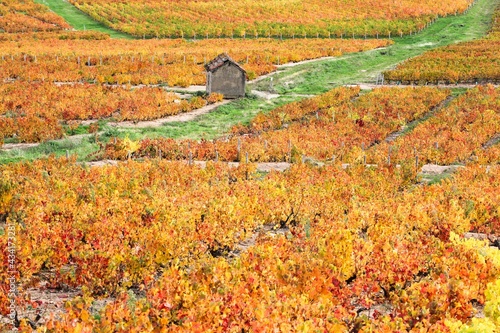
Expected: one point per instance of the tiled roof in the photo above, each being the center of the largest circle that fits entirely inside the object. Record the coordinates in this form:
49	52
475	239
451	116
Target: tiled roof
220	60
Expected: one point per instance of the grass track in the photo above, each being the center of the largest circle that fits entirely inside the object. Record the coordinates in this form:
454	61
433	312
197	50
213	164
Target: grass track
364	67
79	20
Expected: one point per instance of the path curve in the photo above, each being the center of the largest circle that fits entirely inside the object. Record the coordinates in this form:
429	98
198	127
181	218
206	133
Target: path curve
11	146
182	117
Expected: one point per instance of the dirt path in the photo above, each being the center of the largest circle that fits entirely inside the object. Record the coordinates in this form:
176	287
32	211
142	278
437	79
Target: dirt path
428	169
190	89
293	64
189	116
263	167
11	146
493	141
182	117
198	88
269	95
434	169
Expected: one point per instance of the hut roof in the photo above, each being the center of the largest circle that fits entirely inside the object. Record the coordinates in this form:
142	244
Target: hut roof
219	61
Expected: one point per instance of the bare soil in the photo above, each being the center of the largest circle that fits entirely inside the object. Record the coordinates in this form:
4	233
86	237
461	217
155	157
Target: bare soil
433	169
10	146
181	117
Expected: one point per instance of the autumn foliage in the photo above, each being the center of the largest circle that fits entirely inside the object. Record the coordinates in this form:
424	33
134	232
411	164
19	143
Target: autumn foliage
359	248
27	16
348	239
174	62
470	62
428	127
331	124
39	113
458	133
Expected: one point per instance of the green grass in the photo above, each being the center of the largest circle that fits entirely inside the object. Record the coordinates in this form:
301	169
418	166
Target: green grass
82	147
207	126
365	66
436	179
455	92
79	20
316	78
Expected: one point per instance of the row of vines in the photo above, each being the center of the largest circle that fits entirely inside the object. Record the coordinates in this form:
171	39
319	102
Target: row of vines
42	110
470	62
174	62
26	16
263	18
333	126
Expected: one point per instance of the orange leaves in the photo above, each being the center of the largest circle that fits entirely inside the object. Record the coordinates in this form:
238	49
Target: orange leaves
296	110
470	62
28	16
456	133
36	114
175	62
252	19
214	98
319	127
217	249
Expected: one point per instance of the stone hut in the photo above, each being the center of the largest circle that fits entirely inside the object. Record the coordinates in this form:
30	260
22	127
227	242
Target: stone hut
225	76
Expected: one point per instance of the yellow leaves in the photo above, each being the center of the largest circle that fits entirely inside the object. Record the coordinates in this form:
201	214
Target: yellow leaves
285	327
305	327
130	146
453	325
481	247
484	325
228	276
488	324
336	254
337	328
84	315
492	305
470	243
260	312
6	191
78	328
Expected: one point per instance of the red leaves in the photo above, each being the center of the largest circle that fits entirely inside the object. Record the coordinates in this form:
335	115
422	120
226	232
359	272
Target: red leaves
43	106
312	248
360	122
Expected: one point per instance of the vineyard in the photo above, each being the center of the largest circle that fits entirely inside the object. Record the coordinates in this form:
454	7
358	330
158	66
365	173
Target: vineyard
174	62
185	235
39	67
38	114
264	18
334	125
360	247
26	16
471	62
455	134
182	248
